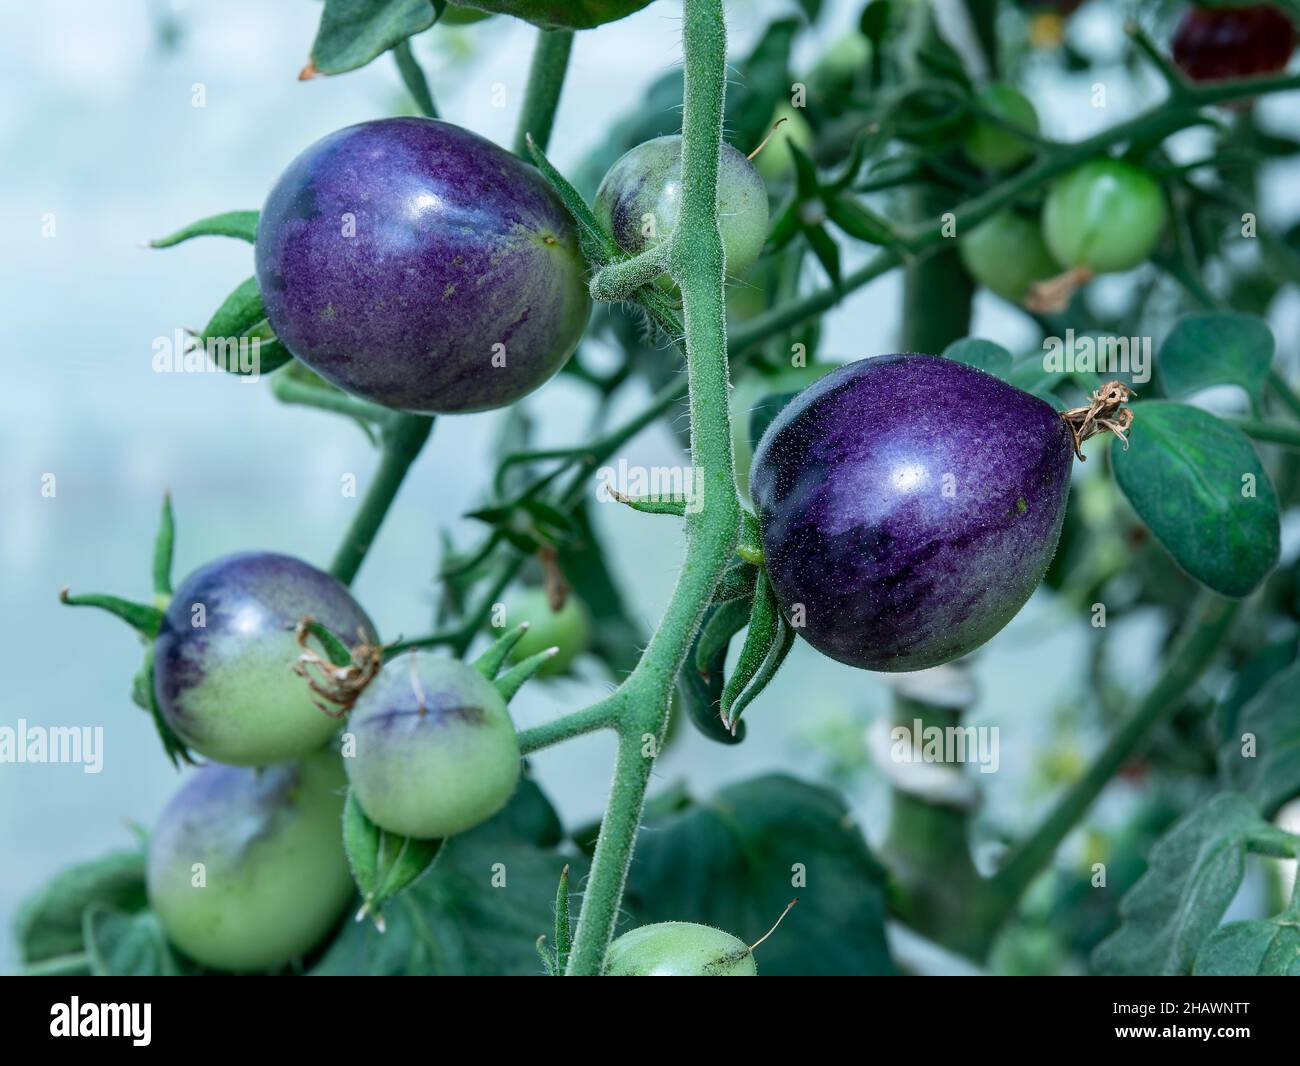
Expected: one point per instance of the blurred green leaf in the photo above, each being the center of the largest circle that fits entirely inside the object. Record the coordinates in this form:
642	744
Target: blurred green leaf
478	911
736	861
1192	875
560	14
1252	949
1187	474
982	355
50	921
127	945
354	32
1270	774
1216	348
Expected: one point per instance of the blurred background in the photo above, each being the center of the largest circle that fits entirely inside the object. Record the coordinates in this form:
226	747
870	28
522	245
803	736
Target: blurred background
99	130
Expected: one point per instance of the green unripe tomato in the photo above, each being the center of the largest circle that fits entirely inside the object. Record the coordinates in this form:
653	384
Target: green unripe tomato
992	146
433	749
639	199
679	949
774	162
273	877
567	629
1006	253
1106	216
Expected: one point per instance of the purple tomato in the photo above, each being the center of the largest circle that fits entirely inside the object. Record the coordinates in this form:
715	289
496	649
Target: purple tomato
418	265
909	506
223	660
1212	44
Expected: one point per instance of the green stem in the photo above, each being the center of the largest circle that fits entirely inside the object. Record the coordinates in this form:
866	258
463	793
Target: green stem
413	76
588	720
1274	432
403	439
937	292
1282	390
1187	661
642	702
301	394
545	83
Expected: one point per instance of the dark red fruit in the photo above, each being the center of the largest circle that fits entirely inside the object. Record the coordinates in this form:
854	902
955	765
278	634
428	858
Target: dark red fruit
1214	44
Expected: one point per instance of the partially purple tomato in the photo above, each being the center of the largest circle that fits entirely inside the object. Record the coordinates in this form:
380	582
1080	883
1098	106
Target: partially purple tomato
1212	44
418	265
909	507
246	867
224	657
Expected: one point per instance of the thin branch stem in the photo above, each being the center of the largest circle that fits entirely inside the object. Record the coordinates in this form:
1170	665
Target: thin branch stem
402	441
642	702
1205	631
1284	433
413	77
545	83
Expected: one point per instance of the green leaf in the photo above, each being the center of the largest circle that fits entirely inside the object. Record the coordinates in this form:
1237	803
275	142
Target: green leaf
49	922
1216	348
241	224
1192	874
163	544
239	339
736	861
478	911
1251	949
353	32
826	251
982	355
763	635
716	633
1250	678
1270	774
857	220
699	691
1186	473
560	14
127	945
383	864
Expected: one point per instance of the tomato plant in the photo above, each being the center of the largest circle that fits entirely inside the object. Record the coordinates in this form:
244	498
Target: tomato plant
1085	512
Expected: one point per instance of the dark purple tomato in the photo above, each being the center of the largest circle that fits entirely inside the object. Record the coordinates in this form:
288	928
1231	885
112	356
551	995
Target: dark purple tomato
223	660
1214	44
418	265
909	506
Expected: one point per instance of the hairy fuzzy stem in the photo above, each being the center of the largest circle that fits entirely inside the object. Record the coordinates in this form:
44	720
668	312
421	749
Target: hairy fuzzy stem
642	703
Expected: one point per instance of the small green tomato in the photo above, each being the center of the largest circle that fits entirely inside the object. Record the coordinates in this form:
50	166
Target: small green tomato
433	749
1104	216
639	199
993	146
1007	253
567	629
246	867
679	949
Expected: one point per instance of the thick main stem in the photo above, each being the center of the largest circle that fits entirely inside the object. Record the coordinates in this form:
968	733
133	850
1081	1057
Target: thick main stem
403	439
712	532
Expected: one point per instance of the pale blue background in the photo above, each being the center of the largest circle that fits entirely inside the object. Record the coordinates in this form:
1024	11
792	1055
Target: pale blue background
96	126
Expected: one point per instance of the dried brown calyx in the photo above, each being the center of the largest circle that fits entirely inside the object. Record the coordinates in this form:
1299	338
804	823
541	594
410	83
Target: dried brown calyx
334	687
1053	295
1102	414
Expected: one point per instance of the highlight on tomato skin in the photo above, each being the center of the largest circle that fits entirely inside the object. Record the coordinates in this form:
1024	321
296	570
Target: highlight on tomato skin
418	265
679	949
899	544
